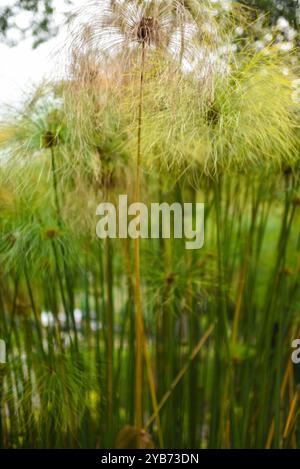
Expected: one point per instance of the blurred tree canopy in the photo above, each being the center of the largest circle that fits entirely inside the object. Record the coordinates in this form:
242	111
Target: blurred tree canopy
22	18
40	21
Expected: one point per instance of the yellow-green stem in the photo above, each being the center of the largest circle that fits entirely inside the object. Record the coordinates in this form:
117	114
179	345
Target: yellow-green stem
138	302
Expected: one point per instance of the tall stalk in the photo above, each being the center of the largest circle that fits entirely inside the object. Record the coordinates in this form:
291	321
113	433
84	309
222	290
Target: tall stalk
110	326
137	293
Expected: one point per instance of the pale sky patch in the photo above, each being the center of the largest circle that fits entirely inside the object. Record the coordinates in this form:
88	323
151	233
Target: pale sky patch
22	67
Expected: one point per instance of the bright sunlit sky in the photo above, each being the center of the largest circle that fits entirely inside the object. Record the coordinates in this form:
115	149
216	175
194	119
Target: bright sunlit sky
22	67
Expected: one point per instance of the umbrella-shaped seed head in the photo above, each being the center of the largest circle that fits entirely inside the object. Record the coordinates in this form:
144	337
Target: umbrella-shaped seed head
50	140
148	31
